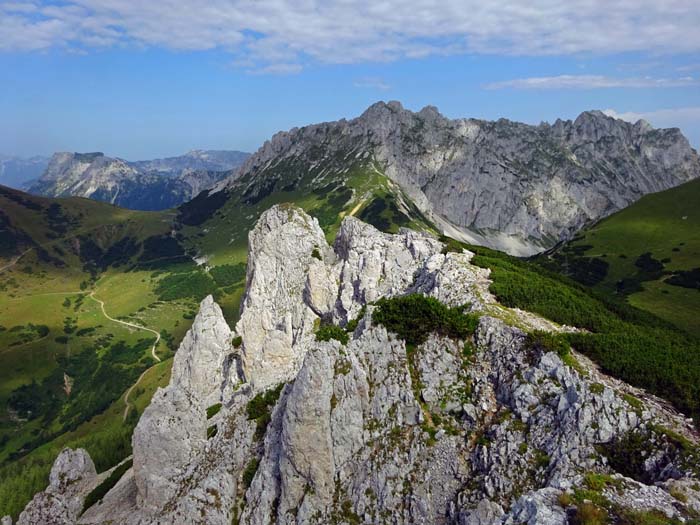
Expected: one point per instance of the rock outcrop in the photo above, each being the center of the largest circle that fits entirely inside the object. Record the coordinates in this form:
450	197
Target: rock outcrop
512	186
72	477
172	432
492	429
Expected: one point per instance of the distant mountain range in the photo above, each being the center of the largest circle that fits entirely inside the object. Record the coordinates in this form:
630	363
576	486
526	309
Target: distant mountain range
17	171
207	160
142	185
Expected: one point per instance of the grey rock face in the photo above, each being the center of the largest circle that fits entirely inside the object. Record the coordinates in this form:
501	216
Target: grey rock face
198	367
276	324
484	431
172	432
72	476
508	185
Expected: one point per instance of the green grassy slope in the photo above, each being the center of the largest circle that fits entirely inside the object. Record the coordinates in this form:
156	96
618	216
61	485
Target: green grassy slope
64	366
610	256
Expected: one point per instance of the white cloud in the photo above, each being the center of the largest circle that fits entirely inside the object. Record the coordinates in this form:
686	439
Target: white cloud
372	83
662	118
688	67
277	69
591	82
272	33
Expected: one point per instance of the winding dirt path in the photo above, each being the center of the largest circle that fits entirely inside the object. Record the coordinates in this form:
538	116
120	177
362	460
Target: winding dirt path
127	404
356	208
15	260
132	325
153	351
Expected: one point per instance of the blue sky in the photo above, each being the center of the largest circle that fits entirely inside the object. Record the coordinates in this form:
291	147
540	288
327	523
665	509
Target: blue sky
141	81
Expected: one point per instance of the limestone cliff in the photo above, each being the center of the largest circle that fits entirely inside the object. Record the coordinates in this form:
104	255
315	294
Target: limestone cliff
486	430
516	187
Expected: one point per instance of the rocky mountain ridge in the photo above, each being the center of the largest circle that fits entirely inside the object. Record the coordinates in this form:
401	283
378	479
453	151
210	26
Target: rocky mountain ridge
145	185
15	172
270	422
512	186
194	160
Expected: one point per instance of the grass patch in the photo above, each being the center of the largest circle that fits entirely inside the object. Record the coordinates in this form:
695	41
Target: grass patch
642	244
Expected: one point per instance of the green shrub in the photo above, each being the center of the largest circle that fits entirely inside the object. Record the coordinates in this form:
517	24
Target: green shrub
228	274
597	388
352	324
237	341
213	410
103	488
414	317
547	342
196	285
259	409
331	331
249	473
316	254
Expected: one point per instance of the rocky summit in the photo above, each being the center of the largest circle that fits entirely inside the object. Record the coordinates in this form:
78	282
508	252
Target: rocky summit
512	186
320	407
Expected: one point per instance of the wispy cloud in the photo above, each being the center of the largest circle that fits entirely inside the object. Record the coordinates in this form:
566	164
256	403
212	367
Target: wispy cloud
277	33
688	67
591	82
372	83
660	117
277	69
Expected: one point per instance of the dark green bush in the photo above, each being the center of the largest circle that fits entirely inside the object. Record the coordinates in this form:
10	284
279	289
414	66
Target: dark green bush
213	410
103	488
262	403
414	317
259	409
352	324
228	274
249	473
547	342
331	331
